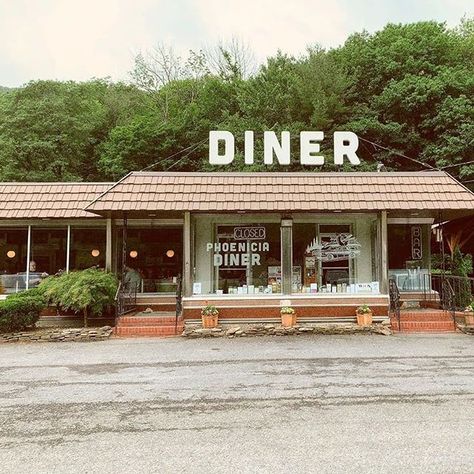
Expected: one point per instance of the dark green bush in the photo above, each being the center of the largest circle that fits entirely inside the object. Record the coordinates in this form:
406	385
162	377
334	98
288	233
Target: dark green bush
88	291
21	311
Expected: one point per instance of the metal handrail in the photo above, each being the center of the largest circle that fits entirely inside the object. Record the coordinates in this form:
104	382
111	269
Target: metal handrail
179	302
126	300
395	300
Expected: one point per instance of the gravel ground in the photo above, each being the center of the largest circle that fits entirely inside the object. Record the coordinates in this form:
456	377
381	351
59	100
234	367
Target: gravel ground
324	404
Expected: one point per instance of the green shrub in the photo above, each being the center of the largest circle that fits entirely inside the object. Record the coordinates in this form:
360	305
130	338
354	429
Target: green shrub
21	310
88	291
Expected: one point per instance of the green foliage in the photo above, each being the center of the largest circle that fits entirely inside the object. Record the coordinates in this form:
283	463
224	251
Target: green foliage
364	309
407	87
88	291
461	263
209	310
21	311
458	264
50	131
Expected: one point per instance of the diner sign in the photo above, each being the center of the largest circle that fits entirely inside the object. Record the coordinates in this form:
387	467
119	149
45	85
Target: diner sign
222	148
239	254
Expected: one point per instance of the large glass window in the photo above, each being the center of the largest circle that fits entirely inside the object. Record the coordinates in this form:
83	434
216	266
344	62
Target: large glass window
409	255
87	248
243	259
48	253
154	258
13	248
327	258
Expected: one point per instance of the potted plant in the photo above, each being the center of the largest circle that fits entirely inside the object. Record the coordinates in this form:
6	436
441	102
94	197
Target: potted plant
209	316
364	315
469	315
288	316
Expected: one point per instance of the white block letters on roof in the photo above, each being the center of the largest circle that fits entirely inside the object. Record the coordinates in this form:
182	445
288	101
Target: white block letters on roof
222	148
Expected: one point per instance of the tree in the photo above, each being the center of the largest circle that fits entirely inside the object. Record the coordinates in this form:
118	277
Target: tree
50	131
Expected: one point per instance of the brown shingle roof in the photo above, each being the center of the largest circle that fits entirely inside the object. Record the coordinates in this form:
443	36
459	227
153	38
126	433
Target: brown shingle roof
212	192
48	200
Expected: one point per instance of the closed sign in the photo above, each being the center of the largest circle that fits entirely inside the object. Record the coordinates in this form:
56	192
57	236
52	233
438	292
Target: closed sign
249	233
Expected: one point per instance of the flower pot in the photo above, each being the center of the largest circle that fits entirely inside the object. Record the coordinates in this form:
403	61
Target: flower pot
288	320
469	318
209	321
364	319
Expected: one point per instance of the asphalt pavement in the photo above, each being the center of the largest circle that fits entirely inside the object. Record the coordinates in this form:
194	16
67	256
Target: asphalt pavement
322	404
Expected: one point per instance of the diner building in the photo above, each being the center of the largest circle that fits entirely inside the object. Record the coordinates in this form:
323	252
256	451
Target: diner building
245	242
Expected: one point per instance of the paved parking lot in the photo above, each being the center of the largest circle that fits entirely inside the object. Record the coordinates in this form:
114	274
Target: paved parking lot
267	405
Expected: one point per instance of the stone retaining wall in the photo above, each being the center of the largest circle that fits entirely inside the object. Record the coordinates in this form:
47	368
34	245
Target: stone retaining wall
59	335
196	331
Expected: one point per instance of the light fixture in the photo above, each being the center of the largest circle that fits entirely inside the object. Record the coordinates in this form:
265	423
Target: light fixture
95	252
11	254
133	253
170	253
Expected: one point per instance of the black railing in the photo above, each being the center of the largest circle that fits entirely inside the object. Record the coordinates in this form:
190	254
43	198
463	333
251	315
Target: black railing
449	292
395	301
179	302
125	299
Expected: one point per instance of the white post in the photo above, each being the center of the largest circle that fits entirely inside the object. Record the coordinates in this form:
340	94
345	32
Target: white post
28	258
286	232
108	245
68	247
187	278
384	251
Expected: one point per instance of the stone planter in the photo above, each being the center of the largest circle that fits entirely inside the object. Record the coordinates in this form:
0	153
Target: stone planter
469	318
209	321
364	319
288	320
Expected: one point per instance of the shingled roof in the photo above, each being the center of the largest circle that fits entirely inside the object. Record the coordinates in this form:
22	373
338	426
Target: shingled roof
48	200
284	192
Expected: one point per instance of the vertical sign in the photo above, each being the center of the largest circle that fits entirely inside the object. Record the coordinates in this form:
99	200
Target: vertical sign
416	243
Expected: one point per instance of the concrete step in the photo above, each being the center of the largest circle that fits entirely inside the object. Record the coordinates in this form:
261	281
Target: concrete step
142	320
171	307
425	315
424	326
149	331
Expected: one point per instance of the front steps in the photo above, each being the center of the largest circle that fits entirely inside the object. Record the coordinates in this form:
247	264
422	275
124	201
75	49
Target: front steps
151	324
423	320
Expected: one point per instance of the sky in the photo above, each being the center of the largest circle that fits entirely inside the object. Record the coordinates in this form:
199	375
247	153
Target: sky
81	39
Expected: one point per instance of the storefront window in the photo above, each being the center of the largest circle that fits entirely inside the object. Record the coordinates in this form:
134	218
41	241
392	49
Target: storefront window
154	258
87	248
409	256
244	259
13	248
328	258
48	253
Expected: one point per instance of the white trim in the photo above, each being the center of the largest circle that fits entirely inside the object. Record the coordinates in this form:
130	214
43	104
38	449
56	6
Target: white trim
44	223
150	222
410	220
28	258
276	296
68	248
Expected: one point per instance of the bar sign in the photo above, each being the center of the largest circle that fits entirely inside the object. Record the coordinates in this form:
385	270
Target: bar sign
416	243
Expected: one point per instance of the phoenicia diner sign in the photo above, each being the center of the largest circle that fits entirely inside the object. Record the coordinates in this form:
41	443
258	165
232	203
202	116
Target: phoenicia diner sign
222	148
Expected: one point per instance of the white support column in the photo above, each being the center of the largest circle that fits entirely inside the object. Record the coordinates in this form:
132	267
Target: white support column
384	252
286	232
68	248
28	258
108	245
187	277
